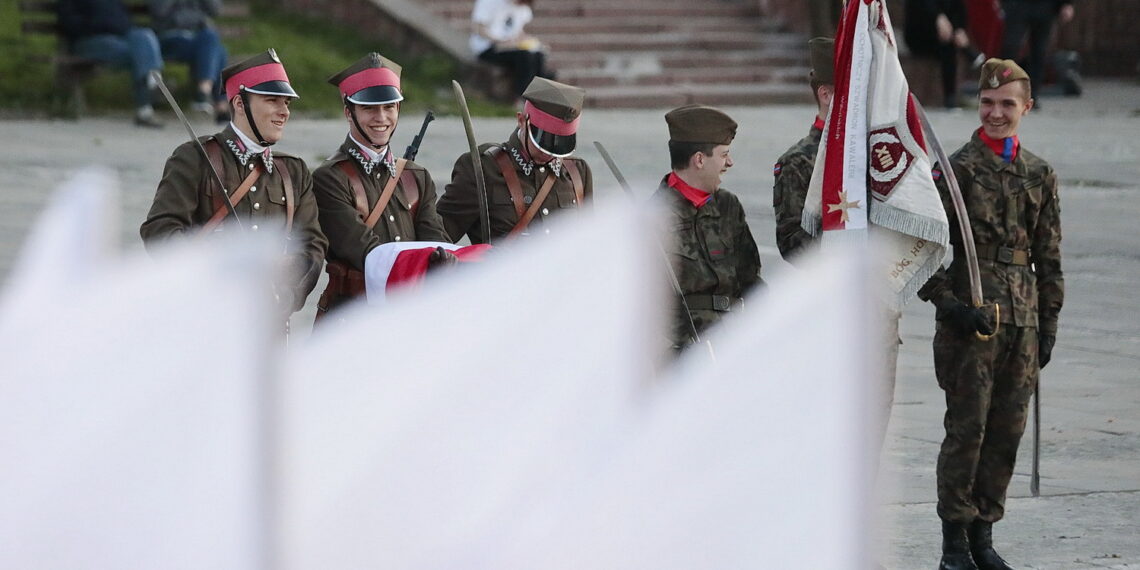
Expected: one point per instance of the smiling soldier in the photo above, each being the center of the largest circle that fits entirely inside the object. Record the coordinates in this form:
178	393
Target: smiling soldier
367	196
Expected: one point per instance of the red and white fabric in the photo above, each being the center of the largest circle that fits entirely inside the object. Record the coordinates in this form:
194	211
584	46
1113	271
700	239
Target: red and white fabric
397	265
872	167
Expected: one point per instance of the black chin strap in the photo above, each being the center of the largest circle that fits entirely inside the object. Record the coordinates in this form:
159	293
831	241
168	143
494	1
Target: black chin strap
252	124
352	114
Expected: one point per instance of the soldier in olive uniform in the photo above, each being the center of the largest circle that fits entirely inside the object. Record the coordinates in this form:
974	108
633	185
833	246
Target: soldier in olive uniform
1011	197
714	256
793	169
267	189
366	195
530	177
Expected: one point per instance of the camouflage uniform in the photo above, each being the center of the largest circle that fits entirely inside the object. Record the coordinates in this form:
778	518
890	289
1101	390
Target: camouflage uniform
793	173
1015	216
713	255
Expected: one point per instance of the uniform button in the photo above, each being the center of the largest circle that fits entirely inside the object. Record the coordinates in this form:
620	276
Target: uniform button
526	199
250	166
545	212
253	188
397	238
257	205
391	218
542	169
254	228
574	201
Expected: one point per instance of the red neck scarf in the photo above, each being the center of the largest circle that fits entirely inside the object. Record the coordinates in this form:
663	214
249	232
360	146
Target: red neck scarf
818	124
1005	148
696	196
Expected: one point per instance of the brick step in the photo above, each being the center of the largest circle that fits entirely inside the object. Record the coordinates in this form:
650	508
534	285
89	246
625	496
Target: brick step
655	61
654	42
713	94
609	10
592	78
636	25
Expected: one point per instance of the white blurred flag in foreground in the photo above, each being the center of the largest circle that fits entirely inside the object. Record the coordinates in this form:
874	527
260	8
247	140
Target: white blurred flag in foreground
129	397
503	416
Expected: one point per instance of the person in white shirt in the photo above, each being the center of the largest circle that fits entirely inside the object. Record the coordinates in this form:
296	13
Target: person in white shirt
498	37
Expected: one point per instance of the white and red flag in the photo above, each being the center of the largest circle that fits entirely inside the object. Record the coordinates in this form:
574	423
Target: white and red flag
872	167
403	264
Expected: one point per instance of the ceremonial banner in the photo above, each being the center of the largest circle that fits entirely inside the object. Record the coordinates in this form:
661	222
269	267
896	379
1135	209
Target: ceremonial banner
872	167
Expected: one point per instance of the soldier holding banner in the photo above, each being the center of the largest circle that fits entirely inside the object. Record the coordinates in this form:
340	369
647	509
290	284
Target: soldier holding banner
1014	211
268	190
367	196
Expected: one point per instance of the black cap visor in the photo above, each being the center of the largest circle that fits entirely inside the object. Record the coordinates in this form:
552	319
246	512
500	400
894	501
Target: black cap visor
552	144
274	89
376	95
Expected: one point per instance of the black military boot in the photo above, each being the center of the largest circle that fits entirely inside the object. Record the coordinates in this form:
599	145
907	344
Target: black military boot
982	547
955	548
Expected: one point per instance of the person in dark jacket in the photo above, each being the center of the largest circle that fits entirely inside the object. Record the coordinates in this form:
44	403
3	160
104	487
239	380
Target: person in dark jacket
1035	19
102	30
937	29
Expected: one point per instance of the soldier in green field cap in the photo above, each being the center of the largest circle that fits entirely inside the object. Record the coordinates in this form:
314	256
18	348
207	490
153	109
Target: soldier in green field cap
713	254
530	177
1015	215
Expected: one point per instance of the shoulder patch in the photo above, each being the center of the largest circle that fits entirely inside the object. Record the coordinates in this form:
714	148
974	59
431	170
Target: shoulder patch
777	168
936	173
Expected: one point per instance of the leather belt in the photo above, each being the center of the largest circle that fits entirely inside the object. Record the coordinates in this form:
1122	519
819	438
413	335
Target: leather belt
1002	254
722	303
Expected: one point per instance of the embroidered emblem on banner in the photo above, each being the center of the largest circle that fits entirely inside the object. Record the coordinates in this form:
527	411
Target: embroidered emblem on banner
889	160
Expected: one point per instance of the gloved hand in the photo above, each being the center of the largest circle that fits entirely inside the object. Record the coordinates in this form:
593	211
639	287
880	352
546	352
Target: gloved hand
1045	343
441	258
964	318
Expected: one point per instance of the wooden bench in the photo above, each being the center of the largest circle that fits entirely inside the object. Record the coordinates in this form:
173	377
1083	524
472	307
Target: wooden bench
72	72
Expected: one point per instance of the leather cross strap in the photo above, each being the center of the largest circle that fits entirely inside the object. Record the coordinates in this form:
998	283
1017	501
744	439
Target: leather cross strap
511	177
386	195
411	190
221	213
575	179
359	199
287	181
539	198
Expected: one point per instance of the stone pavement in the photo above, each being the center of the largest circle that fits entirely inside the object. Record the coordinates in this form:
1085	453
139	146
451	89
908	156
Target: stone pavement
1089	513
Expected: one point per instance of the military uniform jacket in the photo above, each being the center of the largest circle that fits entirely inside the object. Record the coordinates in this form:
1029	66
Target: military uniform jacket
793	174
184	201
402	220
459	204
712	252
1015	206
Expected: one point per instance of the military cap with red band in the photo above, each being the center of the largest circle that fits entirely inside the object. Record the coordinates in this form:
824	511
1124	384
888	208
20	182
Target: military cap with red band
371	80
262	74
554	110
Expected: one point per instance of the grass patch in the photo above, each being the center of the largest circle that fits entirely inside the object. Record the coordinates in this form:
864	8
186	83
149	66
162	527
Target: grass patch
311	49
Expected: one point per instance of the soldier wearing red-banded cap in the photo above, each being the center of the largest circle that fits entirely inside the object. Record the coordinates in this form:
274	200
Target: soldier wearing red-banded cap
530	177
269	190
368	197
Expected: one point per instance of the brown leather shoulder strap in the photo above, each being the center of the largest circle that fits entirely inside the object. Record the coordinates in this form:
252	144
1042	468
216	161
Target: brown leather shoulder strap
511	177
386	195
214	154
576	179
359	198
221	213
543	192
411	190
290	202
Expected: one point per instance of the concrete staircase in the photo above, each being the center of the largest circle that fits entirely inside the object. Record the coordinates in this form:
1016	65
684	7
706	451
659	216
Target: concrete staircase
662	53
